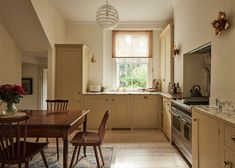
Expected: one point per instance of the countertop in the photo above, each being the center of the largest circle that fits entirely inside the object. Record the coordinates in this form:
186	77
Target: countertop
122	93
228	116
167	95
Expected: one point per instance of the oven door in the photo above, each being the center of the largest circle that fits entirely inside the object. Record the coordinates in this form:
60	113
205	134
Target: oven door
182	134
187	133
176	125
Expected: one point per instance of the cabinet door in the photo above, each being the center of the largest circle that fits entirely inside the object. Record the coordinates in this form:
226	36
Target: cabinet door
205	141
120	116
68	74
145	111
163	63
229	158
166	57
98	105
166	118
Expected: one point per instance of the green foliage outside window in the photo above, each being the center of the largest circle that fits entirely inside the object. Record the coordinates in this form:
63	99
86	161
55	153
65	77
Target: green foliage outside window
133	75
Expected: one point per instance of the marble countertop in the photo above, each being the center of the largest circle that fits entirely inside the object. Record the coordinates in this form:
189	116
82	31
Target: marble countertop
167	95
228	116
122	93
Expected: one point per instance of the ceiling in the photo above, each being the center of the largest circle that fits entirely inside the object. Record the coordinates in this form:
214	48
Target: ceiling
129	10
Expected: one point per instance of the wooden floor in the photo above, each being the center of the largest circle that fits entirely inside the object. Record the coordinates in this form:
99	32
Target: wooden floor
142	149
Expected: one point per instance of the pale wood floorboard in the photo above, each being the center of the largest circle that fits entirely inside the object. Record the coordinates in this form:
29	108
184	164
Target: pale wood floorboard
140	149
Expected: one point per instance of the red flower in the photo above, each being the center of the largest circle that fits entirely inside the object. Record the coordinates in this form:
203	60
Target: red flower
11	93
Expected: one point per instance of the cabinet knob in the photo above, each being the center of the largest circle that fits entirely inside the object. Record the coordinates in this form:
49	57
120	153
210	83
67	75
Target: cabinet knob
112	99
233	137
79	92
145	97
194	119
227	164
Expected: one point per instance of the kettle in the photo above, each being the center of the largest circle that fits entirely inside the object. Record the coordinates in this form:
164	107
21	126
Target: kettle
196	91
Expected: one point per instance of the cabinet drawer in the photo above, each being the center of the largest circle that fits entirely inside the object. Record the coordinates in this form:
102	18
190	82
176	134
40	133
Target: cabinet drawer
229	136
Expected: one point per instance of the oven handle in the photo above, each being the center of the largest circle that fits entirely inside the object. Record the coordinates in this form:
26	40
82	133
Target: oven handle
175	114
186	122
181	119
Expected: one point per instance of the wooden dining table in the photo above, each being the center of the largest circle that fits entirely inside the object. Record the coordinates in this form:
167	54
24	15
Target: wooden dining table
56	124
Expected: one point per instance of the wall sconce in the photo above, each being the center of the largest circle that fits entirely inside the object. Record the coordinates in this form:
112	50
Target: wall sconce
93	59
221	23
175	51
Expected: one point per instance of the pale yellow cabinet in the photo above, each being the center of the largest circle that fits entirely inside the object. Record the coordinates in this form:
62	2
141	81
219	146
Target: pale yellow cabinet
228	146
205	140
98	105
166	117
120	107
145	111
166	59
71	70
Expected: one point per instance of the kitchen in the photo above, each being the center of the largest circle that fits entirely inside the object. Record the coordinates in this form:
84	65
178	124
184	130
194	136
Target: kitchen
192	29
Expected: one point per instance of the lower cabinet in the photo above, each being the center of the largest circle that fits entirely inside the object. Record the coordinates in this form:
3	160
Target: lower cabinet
127	111
120	107
145	111
98	105
166	117
205	141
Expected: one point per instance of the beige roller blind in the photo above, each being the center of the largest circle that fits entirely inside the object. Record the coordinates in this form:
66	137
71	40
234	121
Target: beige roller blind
132	44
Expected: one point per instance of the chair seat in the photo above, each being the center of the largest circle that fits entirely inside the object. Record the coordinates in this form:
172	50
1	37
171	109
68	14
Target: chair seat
86	138
31	150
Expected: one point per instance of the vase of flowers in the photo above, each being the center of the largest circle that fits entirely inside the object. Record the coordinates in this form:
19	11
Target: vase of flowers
9	96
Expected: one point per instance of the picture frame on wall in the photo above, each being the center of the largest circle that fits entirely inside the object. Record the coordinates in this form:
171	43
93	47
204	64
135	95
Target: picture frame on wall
27	84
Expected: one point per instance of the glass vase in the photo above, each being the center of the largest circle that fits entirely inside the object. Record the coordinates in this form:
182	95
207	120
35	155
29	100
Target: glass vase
10	108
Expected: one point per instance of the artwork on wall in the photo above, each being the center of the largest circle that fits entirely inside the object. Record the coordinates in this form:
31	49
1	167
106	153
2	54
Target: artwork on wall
27	84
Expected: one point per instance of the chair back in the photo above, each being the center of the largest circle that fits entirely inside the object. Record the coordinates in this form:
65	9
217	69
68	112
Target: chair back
57	105
102	127
12	130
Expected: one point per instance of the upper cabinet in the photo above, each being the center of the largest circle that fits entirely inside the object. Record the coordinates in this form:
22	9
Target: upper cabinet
71	71
167	65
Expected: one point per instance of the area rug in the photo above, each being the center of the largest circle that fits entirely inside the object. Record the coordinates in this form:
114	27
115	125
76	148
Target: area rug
86	162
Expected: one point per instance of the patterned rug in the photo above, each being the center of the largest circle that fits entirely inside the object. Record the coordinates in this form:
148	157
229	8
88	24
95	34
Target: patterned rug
86	162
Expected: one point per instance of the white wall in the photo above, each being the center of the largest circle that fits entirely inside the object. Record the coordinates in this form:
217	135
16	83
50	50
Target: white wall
32	101
193	29
91	35
54	26
10	59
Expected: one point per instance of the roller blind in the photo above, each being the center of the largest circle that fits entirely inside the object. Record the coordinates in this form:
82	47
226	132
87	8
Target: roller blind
132	44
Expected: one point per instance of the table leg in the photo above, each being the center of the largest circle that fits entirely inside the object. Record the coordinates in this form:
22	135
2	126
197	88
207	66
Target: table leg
84	130
65	152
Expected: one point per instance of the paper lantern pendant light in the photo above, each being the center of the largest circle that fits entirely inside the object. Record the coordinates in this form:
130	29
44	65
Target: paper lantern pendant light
107	17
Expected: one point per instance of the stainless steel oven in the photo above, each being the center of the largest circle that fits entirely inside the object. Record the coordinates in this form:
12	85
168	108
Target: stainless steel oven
182	123
182	129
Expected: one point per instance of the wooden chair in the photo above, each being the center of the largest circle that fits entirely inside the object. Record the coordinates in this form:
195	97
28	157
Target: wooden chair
14	149
57	105
90	139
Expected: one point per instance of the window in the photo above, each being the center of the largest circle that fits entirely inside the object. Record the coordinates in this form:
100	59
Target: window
132	53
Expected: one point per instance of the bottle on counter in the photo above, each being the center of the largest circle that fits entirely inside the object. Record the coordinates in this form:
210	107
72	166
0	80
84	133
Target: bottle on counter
169	87
173	89
178	90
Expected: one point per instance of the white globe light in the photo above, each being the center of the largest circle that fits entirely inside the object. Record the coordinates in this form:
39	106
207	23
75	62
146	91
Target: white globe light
107	17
